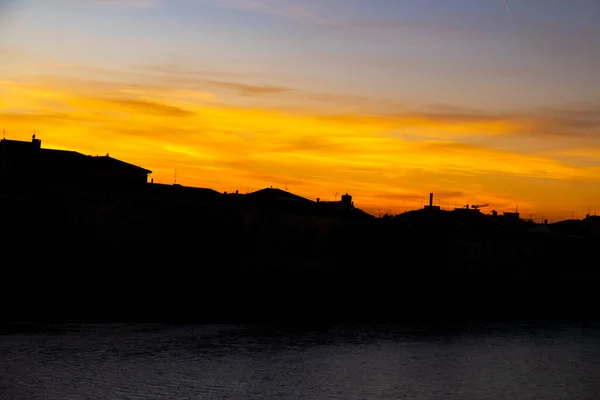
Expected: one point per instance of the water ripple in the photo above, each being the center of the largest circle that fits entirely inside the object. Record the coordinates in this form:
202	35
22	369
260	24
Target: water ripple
118	361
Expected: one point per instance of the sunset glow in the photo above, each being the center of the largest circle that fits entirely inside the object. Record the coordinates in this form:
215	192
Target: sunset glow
385	100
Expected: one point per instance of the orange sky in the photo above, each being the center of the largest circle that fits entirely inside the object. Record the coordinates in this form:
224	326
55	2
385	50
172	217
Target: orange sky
229	129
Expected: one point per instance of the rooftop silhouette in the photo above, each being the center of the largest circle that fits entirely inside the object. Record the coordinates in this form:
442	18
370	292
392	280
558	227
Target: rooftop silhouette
29	163
98	219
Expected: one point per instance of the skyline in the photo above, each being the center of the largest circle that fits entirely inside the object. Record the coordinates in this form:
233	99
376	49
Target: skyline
388	102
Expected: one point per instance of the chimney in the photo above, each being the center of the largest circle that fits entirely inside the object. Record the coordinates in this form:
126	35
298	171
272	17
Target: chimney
346	200
430	199
318	200
37	143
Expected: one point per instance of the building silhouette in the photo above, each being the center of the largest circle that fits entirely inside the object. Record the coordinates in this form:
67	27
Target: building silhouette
107	238
27	163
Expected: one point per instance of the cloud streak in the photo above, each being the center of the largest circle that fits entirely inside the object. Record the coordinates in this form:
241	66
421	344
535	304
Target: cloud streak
277	8
510	14
219	145
568	122
126	3
309	13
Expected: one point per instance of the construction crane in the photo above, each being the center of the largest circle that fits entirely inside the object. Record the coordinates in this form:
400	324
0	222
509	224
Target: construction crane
478	206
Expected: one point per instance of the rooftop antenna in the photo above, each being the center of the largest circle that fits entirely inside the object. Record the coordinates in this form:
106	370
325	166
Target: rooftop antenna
175	177
3	133
286	187
336	193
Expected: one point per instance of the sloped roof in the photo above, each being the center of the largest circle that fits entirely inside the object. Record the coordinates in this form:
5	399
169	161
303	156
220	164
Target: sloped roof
107	160
276	194
60	159
59	155
188	190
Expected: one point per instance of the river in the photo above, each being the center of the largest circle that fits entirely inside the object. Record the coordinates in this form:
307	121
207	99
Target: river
121	361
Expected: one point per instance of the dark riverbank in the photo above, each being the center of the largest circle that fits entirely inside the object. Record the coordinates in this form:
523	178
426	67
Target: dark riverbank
91	292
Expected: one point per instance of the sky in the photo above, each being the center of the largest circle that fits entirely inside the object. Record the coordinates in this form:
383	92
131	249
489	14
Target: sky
478	101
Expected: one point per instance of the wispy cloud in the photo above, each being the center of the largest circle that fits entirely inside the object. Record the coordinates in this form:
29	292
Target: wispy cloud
508	10
309	12
127	3
138	106
249	90
570	122
399	25
288	9
575	119
303	11
203	79
210	142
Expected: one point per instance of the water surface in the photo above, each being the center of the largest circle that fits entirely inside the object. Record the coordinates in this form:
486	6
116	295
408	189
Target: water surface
122	361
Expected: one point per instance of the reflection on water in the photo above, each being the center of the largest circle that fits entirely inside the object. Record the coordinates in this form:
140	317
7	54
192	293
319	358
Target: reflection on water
351	362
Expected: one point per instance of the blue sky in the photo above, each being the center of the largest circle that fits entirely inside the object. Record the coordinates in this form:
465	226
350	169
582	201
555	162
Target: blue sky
454	51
